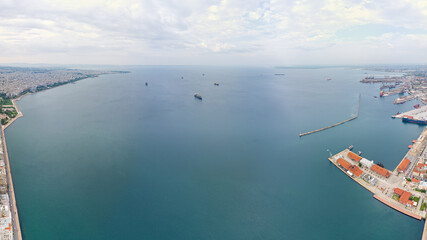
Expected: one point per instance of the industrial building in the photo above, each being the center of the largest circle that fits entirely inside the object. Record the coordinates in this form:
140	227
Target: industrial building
403	165
381	171
355	170
354	156
343	163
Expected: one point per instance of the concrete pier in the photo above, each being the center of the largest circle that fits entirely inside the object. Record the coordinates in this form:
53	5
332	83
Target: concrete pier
425	232
402	210
336	124
381	189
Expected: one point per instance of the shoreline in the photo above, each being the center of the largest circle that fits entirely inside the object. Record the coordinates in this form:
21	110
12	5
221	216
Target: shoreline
15	219
11	190
17	233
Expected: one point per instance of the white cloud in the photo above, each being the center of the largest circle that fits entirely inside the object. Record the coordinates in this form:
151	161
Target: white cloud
210	32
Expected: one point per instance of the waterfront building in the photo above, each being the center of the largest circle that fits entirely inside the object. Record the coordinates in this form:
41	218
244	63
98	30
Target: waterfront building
346	165
420	170
354	156
366	163
381	171
403	165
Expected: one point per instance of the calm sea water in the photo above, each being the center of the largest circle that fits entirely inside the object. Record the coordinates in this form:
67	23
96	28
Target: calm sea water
111	158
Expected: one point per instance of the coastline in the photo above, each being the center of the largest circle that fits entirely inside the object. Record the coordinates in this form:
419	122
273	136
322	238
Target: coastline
17	109
15	217
15	220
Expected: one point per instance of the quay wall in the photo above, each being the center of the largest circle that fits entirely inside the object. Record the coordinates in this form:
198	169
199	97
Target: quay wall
367	187
14	211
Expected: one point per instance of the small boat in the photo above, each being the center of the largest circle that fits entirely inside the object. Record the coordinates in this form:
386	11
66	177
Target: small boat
329	79
417	106
216	84
375	96
359	153
350	148
198	96
146	83
380	164
182	77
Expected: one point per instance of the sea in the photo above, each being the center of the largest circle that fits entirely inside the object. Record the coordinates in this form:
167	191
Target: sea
111	158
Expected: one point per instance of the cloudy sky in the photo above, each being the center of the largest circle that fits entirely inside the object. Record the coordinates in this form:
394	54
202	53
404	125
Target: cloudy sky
227	32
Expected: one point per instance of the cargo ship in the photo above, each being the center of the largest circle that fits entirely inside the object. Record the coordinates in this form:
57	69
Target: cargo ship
411	119
198	96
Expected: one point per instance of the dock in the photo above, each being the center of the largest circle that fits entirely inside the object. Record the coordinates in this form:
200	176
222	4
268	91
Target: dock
380	186
398	209
372	79
424	237
417	113
336	124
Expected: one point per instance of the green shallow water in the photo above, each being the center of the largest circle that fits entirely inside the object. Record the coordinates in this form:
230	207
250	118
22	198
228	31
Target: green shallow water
111	158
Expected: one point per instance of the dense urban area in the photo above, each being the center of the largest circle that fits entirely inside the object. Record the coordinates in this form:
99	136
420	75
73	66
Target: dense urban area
17	81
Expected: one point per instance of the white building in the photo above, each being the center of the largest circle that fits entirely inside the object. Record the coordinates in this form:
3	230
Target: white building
423	185
366	163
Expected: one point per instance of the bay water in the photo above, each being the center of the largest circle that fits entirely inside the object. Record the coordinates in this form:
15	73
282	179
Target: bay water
111	158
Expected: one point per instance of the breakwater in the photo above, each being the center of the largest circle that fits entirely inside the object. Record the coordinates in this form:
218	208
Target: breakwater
334	125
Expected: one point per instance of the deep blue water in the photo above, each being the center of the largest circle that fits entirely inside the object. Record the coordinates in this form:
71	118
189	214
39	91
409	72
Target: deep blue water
111	158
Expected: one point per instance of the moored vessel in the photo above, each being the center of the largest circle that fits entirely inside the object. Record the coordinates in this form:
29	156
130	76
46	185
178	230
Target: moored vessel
411	119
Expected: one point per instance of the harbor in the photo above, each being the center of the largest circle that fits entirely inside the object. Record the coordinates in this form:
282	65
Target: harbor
417	115
63	161
403	189
379	181
385	79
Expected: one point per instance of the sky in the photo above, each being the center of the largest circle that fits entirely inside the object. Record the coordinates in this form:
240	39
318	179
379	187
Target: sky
211	32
